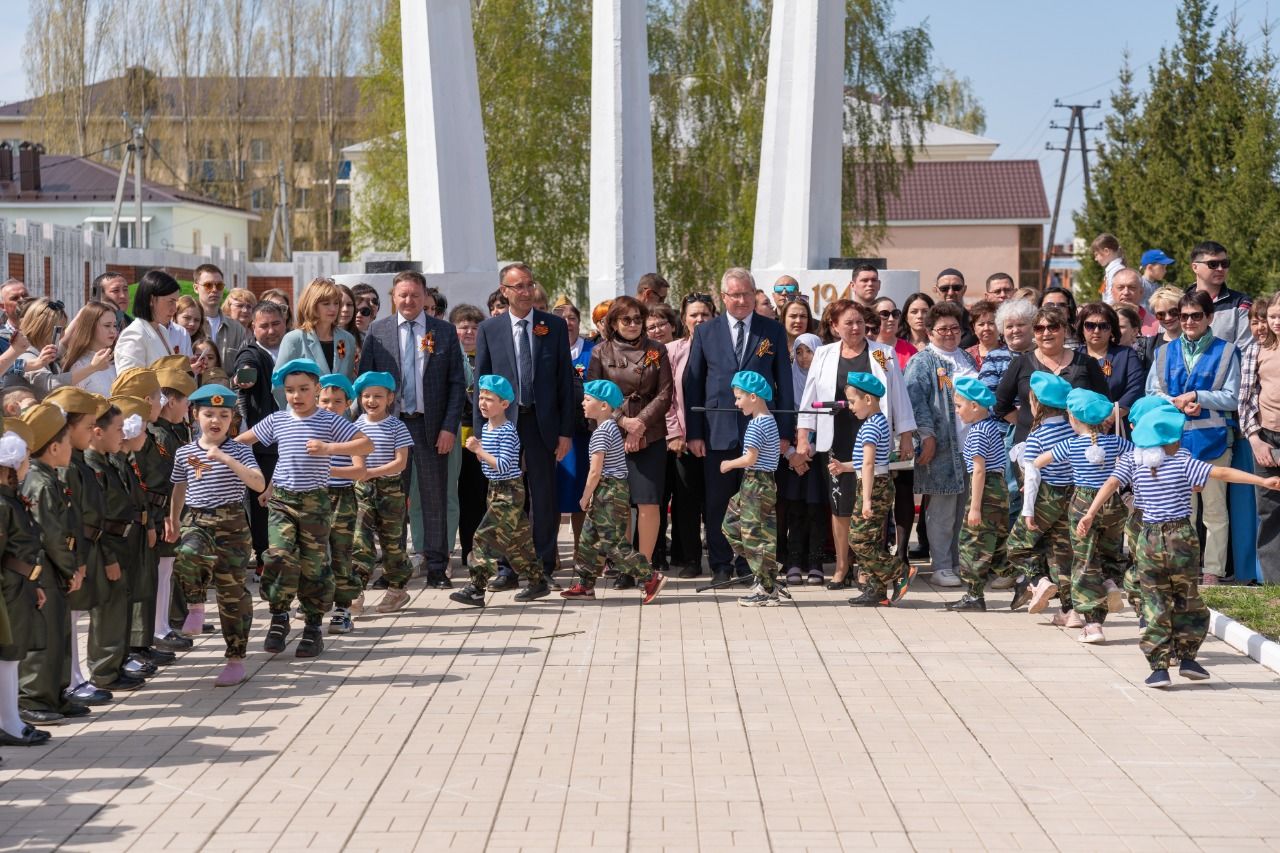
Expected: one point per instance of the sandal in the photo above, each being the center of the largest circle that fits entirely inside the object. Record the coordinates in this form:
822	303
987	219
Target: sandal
794	577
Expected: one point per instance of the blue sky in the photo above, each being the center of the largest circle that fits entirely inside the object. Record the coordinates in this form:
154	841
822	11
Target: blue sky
1019	54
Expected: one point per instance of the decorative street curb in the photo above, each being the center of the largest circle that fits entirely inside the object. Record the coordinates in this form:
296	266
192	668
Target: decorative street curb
1247	640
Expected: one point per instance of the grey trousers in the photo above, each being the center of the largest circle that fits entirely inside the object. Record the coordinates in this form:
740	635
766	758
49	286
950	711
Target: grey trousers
944	519
1268	520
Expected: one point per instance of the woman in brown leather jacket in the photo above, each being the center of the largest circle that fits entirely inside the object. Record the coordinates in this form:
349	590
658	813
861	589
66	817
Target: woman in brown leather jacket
639	366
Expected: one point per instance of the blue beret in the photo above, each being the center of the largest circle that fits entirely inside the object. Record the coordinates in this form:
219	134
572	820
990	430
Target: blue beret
866	382
1050	390
495	384
1088	407
297	365
213	395
1159	427
604	391
375	379
337	380
1145	405
753	383
975	390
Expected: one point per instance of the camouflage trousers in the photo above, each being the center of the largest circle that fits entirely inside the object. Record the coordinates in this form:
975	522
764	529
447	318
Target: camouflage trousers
1045	551
214	547
504	532
604	535
751	524
297	558
1132	530
982	548
342	533
1098	556
381	518
866	536
1168	561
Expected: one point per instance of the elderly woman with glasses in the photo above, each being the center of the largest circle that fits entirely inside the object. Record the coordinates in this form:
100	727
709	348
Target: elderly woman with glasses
1014	319
1099	327
1200	374
1052	354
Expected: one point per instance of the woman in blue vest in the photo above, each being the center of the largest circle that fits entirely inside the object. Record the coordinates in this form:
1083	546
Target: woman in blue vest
1200	374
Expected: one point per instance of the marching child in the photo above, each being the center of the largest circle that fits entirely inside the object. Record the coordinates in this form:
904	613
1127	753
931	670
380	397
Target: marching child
1097	559
986	527
1163	475
169	432
866	530
380	495
505	530
1133	525
20	572
607	501
1041	537
299	513
208	524
45	674
751	521
336	394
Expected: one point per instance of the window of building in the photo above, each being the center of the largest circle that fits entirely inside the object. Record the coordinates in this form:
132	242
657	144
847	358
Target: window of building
342	198
302	198
128	239
1030	255
260	199
259	150
258	247
302	150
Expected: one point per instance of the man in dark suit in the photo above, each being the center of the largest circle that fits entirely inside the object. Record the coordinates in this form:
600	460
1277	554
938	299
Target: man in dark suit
531	349
739	339
424	356
255	401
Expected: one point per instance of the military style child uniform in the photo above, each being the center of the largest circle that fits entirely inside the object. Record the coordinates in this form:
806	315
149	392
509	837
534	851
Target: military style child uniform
982	548
1045	552
109	526
174	375
214	545
1133	524
604	532
381	501
751	519
866	535
1097	567
342	525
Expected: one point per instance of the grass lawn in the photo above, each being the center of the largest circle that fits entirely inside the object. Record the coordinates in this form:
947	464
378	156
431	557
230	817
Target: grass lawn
1255	606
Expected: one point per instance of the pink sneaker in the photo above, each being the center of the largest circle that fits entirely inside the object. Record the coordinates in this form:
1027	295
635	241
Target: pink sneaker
1041	595
231	675
1075	619
194	623
1092	633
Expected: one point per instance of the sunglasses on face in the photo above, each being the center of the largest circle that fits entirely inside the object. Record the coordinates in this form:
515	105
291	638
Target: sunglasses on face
890	315
786	288
1192	317
951	288
1223	264
1046	328
1166	315
632	320
1090	326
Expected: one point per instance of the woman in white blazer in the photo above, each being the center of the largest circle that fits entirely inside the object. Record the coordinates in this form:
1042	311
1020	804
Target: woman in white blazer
318	336
817	434
149	336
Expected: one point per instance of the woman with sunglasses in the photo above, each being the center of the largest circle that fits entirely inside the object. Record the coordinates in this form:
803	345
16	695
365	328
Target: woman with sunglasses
891	331
1050	353
1062	299
1099	328
688	493
640	367
1164	305
1200	374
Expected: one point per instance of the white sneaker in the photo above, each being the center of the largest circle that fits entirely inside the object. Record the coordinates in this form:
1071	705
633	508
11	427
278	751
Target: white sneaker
945	578
1115	596
1092	633
1002	583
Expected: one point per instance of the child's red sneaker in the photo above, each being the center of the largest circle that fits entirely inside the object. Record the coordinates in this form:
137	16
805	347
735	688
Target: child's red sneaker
578	591
653	586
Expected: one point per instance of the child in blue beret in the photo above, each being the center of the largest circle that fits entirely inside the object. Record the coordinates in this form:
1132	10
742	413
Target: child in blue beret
607	502
1163	476
336	394
751	520
986	527
505	530
1097	567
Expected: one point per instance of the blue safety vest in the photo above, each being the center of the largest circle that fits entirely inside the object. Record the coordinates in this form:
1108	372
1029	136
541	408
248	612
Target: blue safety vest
1205	436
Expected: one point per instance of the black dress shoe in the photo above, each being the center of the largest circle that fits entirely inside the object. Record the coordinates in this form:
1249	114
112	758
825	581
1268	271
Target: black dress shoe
160	657
138	668
42	718
624	582
88	694
31	736
173	642
503	582
380	583
124	683
438	580
689	572
534	590
74	709
719	577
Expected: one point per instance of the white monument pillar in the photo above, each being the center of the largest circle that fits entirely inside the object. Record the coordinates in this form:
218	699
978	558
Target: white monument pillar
797	223
450	205
622	243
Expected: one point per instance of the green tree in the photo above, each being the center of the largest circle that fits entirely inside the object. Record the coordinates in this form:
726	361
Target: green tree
952	102
1196	157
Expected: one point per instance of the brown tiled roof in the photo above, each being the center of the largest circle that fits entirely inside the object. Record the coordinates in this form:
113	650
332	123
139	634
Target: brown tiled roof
970	189
70	179
209	96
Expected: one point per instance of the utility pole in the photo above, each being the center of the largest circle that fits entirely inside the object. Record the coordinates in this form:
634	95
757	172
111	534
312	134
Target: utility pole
280	220
133	154
1077	119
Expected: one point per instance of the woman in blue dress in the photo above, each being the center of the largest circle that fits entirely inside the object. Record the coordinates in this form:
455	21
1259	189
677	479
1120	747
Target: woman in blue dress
571	472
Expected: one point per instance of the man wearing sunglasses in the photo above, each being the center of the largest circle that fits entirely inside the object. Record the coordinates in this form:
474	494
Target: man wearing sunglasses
785	289
951	287
1209	263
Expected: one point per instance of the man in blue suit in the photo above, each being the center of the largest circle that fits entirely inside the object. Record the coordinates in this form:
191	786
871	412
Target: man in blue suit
739	339
531	349
422	353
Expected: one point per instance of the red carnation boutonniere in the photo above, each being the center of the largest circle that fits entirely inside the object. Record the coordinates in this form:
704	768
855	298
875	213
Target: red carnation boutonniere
765	348
67	491
580	370
1106	367
541	329
880	358
342	349
427	343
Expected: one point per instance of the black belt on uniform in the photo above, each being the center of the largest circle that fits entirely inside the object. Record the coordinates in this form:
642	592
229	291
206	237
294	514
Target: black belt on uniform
116	528
411	416
158	500
93	534
22	567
